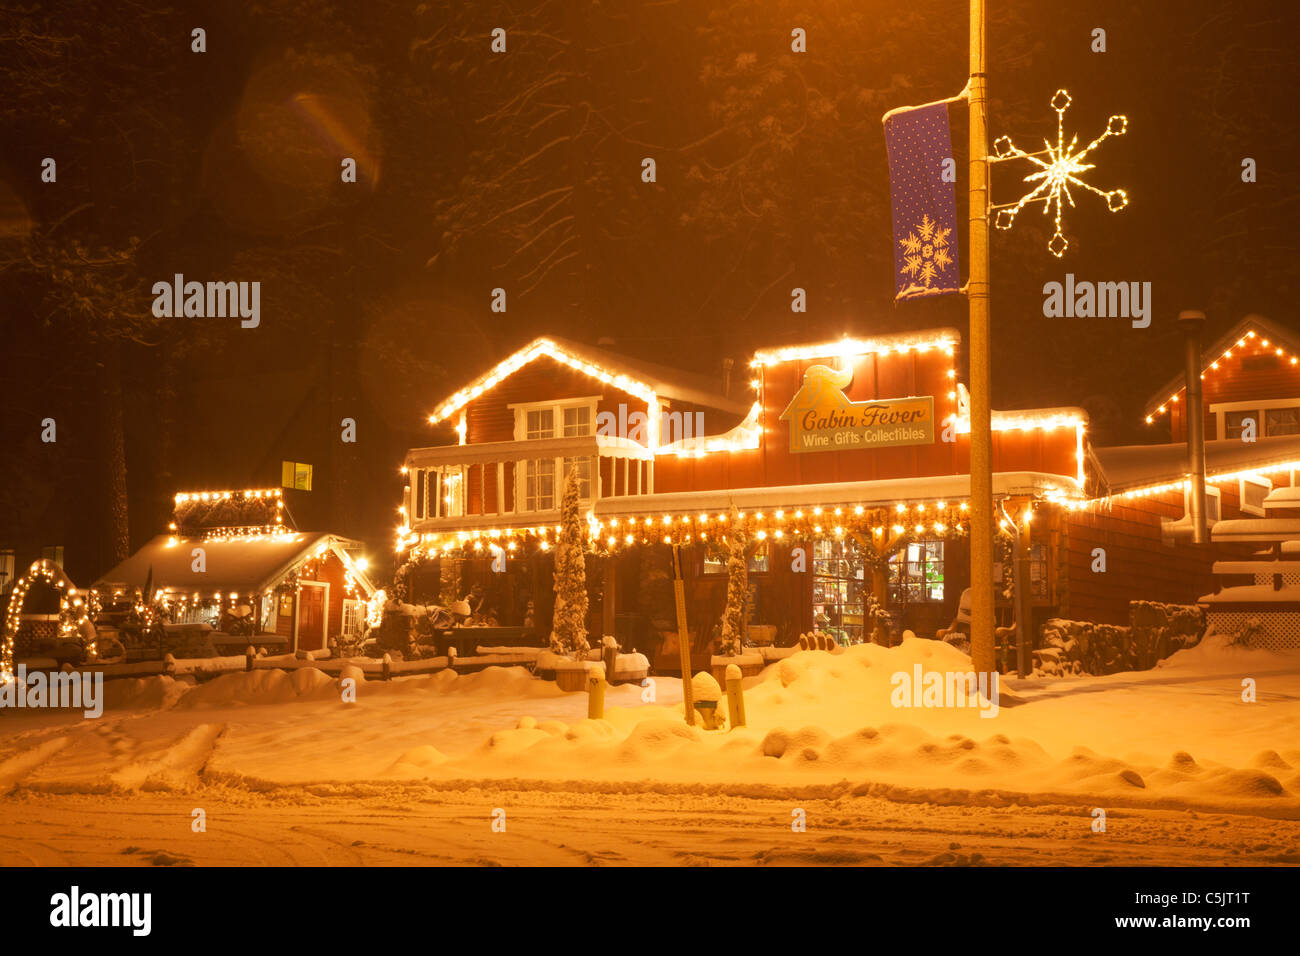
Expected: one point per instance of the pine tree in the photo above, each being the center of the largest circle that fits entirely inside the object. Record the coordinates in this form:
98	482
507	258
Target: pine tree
733	615
569	625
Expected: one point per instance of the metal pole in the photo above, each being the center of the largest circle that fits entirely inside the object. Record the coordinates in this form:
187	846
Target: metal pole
981	436
1024	594
1192	321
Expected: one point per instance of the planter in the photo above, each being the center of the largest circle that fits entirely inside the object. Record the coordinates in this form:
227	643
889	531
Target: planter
749	664
571	676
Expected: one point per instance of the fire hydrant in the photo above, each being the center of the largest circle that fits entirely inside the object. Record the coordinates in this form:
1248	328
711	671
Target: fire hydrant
707	693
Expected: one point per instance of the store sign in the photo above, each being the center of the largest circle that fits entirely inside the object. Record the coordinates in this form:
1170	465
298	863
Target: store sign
822	419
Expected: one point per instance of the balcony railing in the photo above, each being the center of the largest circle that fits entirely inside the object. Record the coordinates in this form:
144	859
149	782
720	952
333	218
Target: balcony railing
453	486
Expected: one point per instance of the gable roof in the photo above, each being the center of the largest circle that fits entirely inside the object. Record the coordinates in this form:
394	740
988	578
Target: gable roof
1251	327
241	564
631	375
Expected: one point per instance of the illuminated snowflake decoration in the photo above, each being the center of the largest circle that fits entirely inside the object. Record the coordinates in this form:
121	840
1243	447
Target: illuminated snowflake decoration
925	252
1059	172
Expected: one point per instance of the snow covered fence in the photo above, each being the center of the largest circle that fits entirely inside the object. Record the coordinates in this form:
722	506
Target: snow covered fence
1082	647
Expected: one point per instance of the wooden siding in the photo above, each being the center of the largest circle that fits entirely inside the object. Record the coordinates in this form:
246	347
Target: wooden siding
1242	378
1139	567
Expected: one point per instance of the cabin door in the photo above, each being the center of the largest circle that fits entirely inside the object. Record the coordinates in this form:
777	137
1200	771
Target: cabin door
313	600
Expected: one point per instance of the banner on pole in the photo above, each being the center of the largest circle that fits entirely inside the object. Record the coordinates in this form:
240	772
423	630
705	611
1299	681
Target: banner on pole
922	187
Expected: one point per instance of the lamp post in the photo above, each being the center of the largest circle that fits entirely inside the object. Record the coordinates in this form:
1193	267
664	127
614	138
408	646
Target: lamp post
1192	322
981	435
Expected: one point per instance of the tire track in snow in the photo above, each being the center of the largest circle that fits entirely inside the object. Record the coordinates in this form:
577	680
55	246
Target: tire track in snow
177	766
14	768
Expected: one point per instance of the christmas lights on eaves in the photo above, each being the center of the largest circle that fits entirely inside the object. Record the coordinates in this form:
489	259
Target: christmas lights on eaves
521	358
1058	173
878	522
1262	347
847	347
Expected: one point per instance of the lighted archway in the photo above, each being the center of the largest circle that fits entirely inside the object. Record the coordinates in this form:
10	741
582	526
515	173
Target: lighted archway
75	610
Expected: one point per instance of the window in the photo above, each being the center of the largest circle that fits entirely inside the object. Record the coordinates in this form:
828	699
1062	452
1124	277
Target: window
540	481
6	569
53	553
295	475
1281	421
1252	491
1234	423
1213	511
583	466
1271	418
354	616
759	561
539	484
577	421
267	617
540	423
916	573
438	493
567	418
838	588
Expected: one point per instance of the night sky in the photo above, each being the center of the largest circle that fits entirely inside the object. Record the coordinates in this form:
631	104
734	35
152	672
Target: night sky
522	171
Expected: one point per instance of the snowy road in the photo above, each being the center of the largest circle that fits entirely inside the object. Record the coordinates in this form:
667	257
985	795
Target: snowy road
424	825
1187	770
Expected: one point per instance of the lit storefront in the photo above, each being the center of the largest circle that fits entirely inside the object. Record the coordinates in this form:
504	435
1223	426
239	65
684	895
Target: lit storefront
844	463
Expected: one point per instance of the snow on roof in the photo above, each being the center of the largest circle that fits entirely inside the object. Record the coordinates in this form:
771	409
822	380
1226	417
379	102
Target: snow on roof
1256	529
1261	327
1134	466
923	340
1263	565
1285	497
632	375
1253	594
242	564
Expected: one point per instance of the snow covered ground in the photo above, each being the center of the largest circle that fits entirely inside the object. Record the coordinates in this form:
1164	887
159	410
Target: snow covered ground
1179	762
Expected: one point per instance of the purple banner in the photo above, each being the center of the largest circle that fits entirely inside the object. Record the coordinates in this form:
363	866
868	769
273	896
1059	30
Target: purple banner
924	204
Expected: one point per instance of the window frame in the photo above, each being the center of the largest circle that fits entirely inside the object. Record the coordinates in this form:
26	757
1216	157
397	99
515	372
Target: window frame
557	406
897	571
358	609
1259	481
1260	408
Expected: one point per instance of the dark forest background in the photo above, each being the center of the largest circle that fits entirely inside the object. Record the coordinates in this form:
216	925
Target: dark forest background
522	171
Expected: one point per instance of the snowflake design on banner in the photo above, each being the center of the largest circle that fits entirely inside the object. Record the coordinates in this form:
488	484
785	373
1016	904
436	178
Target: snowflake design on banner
925	252
1059	172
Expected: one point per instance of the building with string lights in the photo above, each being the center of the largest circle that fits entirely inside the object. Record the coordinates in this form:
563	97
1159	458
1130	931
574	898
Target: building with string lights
234	554
846	464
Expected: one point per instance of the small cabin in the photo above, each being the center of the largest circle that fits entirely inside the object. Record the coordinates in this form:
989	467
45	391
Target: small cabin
231	556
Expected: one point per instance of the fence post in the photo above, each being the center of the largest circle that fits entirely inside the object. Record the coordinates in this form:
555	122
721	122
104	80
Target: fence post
735	696
388	667
249	656
596	692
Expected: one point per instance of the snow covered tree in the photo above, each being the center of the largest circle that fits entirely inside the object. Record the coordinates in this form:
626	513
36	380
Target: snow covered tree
569	624
733	615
